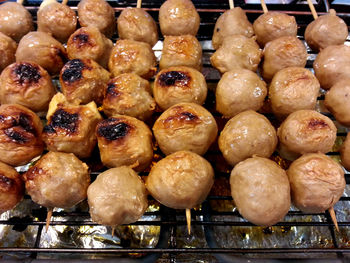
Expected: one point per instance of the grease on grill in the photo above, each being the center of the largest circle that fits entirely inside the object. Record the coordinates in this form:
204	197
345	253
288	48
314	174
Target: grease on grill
73	70
317	124
26	73
64	120
15	136
113	131
5	182
112	90
171	78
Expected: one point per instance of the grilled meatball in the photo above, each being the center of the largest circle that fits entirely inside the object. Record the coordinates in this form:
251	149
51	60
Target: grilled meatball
89	43
15	20
71	128
11	188
293	89
306	131
57	19
185	126
332	64
345	153
237	51
272	25
20	135
239	90
136	24
97	13
181	180
283	52
178	17
117	196
232	22
124	140
83	80
245	135
181	51
326	30
129	56
43	49
179	84
129	94
27	84
57	180
317	182
7	51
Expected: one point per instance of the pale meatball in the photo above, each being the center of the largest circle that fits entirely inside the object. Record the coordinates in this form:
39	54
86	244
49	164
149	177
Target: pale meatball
124	140
181	180
231	22
27	84
185	126
97	13
326	30
239	90
179	84
117	196
245	135
283	52
293	89
43	49
345	153
129	94
272	25
136	24
15	20
129	56
317	182
260	190
237	51
178	17
57	180
89	43
8	49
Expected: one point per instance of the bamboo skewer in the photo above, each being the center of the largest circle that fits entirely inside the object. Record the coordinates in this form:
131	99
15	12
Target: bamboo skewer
113	230
231	3
264	7
188	219
334	218
20	2
312	8
139	3
64	2
48	218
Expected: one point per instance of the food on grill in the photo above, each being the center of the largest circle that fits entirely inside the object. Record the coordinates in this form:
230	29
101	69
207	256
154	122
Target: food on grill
89	43
345	153
237	51
11	188
117	196
317	182
124	140
239	90
27	84
306	131
231	22
71	128
83	80
179	84
7	51
293	89
43	49
283	52
128	94
129	56
272	25
246	135
182	50
178	17
332	64
261	191
185	126
136	24
97	13
326	30
20	135
181	180
15	20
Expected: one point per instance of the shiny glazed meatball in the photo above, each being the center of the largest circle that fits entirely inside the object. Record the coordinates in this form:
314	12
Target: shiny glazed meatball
345	153
8	49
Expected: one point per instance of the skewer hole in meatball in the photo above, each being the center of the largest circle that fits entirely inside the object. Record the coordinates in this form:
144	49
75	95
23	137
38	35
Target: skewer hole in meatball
8	49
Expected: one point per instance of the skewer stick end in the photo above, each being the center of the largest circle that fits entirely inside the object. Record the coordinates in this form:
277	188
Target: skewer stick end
231	3
48	218
188	219
264	6
113	230
139	3
334	218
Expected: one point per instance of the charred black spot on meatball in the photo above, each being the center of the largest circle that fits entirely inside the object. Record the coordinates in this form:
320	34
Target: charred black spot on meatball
171	78
112	129
16	135
26	73
81	39
62	119
112	90
72	71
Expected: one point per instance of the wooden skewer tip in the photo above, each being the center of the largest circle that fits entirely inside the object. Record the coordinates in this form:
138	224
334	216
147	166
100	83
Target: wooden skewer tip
139	3
188	219
48	218
113	230
264	6
312	8
334	218
231	3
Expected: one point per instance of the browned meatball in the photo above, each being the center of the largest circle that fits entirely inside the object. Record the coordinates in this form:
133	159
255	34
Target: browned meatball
20	135
43	49
136	24
27	84
97	13
232	22
345	153
8	49
326	30
89	43
178	17
15	20
181	51
83	80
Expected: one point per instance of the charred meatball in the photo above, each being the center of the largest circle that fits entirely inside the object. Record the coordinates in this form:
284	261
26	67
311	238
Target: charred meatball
8	49
345	153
